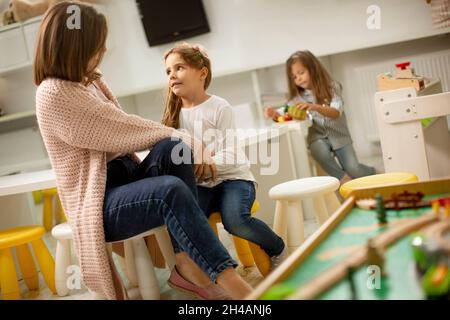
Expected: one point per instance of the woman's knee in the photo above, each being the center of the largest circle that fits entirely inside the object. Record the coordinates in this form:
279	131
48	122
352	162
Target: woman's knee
178	151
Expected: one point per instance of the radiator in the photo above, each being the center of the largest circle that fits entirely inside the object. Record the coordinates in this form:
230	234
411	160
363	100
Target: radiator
433	65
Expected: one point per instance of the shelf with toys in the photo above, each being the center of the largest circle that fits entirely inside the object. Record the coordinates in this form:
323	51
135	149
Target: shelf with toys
18	33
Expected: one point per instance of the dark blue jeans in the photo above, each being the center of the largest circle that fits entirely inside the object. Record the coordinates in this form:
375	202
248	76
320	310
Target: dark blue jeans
234	200
143	196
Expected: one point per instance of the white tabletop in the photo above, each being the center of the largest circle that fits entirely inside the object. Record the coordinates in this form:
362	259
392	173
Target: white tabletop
27	182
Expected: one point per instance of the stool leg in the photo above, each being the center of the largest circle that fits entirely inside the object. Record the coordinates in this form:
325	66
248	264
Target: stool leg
62	262
281	220
48	211
59	212
261	258
332	203
295	227
8	276
213	220
321	209
243	251
45	262
130	267
163	239
148	283
28	267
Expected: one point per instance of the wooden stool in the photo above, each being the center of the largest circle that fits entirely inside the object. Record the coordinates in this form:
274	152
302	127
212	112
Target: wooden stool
288	219
48	196
248	252
139	266
19	238
377	180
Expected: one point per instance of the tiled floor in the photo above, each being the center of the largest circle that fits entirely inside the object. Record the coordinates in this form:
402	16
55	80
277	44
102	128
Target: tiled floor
251	275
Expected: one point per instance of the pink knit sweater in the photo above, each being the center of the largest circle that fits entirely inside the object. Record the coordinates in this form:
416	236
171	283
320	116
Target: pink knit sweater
79	130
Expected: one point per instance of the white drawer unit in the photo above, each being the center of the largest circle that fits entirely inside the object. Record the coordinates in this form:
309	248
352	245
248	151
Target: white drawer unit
13	46
30	31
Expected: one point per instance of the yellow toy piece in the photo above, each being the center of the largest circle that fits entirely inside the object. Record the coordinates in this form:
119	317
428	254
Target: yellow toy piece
19	238
436	207
248	252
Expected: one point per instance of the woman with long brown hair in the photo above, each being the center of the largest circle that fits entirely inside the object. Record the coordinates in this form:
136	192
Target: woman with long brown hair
107	194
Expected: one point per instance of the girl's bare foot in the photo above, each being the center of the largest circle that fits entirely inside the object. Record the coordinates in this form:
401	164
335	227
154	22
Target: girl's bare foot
345	179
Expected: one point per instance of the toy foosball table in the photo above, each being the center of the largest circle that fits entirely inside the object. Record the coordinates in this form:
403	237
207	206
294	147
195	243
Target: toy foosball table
382	243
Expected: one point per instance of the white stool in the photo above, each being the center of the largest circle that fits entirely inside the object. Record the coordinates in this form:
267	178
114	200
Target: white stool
139	265
288	219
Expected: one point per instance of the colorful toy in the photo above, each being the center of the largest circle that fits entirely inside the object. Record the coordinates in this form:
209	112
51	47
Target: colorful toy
404	77
398	201
288	113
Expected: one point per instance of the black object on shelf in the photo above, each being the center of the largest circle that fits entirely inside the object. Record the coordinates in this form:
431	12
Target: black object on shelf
171	20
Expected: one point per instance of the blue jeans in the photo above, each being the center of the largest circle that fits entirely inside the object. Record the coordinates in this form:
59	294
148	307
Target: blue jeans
157	192
324	154
234	200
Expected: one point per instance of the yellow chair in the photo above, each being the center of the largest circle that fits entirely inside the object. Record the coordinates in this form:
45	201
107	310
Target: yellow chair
248	252
19	238
377	180
60	217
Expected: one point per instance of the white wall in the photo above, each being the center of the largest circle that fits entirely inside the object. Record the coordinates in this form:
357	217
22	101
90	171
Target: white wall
250	34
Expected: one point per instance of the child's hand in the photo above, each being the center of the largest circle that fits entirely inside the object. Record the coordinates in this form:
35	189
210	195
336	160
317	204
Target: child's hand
206	169
269	112
307	106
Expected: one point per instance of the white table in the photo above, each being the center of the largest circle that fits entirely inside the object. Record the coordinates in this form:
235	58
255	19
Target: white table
16	207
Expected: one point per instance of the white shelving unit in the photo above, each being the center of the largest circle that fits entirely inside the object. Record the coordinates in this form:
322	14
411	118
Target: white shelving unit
407	144
17	121
18	43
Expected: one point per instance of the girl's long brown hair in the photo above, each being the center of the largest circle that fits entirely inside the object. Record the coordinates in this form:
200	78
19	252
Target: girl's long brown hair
321	81
65	53
196	58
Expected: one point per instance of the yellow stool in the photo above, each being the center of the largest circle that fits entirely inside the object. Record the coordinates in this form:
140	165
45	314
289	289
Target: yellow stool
377	180
60	217
248	252
19	238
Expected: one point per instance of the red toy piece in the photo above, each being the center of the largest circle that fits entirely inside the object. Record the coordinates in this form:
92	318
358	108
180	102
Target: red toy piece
403	65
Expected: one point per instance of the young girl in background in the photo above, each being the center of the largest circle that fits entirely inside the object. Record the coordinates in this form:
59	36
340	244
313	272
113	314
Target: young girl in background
312	89
189	107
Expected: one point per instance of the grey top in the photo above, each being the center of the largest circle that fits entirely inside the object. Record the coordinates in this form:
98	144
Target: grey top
336	130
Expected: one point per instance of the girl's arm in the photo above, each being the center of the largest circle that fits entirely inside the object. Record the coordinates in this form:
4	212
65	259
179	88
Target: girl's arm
333	110
327	111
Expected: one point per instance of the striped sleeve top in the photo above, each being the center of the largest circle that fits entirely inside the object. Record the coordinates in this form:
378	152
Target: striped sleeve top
335	130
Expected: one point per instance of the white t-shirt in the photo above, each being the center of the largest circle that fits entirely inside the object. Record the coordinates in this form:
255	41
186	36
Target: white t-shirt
213	123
